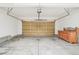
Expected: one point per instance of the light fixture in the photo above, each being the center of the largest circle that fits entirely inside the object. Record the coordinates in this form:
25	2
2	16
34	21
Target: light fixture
39	11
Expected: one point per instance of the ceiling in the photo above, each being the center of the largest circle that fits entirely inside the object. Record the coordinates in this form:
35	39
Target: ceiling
49	11
31	12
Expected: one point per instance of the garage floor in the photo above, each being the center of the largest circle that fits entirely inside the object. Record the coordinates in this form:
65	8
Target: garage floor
39	46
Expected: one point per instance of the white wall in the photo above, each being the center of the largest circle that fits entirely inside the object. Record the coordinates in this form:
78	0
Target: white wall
11	26
19	28
8	25
70	21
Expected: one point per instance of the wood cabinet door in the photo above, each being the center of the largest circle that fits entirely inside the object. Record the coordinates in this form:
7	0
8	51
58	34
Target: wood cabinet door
72	37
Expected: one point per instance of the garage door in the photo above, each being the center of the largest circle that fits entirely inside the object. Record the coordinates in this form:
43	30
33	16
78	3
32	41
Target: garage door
38	28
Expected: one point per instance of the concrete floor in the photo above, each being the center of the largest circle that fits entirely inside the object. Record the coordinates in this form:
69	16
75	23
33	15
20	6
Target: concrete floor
39	46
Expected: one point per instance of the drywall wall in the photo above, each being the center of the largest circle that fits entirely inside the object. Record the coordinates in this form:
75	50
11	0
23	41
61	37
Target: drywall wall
70	21
8	25
19	27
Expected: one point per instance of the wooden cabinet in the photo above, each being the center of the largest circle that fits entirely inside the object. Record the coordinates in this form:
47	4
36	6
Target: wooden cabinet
68	35
72	36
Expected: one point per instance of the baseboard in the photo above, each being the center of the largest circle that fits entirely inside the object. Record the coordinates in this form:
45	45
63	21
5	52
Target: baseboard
16	36
8	37
5	36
